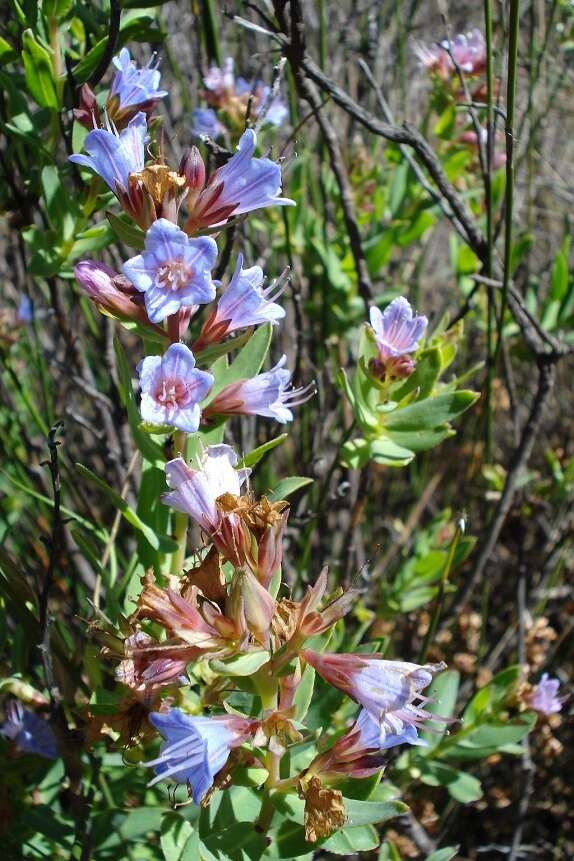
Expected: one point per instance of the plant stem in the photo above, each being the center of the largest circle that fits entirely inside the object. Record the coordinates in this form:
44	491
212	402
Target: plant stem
489	222
441	593
509	193
180	520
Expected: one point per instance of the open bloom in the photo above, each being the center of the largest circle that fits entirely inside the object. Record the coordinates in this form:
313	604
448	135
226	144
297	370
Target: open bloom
390	691
266	394
133	88
397	331
544	697
231	95
243	184
244	302
196	491
114	156
28	732
196	748
173	271
205	123
468	51
172	389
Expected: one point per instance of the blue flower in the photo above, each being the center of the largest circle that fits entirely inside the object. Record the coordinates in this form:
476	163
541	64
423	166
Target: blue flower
397	330
173	271
243	184
195	748
172	388
205	122
112	155
375	735
29	733
266	394
244	302
133	86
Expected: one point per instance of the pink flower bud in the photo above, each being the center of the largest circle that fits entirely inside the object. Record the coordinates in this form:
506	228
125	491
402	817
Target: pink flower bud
112	293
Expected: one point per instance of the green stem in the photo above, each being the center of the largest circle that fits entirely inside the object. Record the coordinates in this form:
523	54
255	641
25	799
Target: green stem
441	593
180	521
489	222
509	193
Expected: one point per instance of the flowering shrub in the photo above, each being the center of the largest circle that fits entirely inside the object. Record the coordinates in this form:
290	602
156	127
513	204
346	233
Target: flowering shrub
228	693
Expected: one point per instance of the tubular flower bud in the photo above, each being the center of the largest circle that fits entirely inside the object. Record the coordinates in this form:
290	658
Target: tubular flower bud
87	113
112	293
192	169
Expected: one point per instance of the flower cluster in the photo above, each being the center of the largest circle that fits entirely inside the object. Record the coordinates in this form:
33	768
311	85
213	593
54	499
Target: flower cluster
232	98
221	613
445	62
164	287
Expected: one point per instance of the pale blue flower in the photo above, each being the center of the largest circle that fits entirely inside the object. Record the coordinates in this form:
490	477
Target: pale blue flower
135	86
28	732
266	394
205	122
251	183
195	748
172	389
173	271
544	696
377	735
114	156
397	330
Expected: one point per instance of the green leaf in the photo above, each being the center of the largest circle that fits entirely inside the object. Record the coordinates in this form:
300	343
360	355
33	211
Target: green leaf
242	665
38	72
288	486
430	413
461	786
158	542
355	453
346	842
421	440
372	812
442	693
388	453
304	693
126	231
7	52
444	854
255	456
424	378
175	837
489	738
559	276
